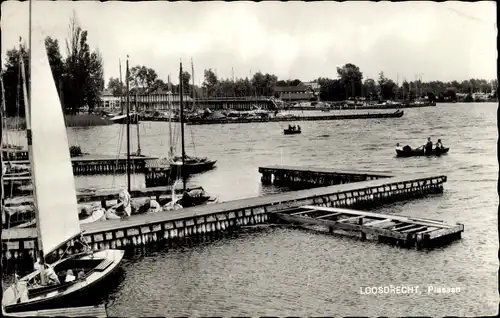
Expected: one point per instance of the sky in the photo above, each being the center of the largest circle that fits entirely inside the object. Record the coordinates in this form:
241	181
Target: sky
305	40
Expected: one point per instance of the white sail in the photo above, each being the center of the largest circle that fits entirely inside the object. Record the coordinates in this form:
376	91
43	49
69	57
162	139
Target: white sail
57	209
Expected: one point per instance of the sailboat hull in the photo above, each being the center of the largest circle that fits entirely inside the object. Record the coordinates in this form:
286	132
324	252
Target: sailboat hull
101	271
122	119
192	167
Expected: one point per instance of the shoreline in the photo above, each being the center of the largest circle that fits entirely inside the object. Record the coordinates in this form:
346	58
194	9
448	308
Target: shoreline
84	120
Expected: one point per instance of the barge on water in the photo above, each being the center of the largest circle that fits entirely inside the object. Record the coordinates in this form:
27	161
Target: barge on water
207	221
240	120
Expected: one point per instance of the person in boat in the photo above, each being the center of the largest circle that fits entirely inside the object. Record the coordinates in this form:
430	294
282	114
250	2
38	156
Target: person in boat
290	127
69	276
428	145
81	274
439	145
122	208
398	147
298	127
49	273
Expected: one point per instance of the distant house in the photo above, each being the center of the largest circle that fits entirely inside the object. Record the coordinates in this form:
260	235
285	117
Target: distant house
314	86
299	93
108	101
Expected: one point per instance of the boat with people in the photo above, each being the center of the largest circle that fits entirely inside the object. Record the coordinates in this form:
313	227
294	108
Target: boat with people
71	279
424	150
292	130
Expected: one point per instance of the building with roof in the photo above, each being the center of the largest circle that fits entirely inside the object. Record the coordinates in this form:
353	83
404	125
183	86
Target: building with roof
109	101
314	86
157	100
299	93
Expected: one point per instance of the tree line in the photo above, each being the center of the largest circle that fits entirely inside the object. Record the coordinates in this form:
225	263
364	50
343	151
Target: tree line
348	83
79	77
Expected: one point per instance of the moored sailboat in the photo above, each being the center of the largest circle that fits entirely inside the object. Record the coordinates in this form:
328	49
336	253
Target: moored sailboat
184	163
52	285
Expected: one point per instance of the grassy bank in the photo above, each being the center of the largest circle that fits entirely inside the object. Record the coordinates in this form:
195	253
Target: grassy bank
71	121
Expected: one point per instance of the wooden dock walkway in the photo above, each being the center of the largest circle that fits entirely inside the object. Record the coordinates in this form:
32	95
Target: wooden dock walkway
96	163
316	177
396	229
201	220
107	195
86	311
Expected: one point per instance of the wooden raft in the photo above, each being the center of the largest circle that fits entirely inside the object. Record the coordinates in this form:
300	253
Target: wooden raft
402	230
86	311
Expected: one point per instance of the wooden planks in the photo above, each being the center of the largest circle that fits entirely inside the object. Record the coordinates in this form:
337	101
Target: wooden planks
100	195
306	169
93	157
283	200
380	216
410	231
85	311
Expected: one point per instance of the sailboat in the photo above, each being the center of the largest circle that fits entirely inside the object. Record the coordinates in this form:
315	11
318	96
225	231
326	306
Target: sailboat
187	164
56	205
183	166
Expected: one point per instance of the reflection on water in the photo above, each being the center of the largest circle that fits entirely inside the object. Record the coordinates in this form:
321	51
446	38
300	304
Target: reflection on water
287	271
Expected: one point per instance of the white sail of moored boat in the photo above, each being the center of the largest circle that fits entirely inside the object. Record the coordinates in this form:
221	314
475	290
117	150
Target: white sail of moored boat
55	200
52	172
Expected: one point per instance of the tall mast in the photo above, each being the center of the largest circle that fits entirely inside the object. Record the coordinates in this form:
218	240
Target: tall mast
192	72
2	111
171	140
121	86
128	128
182	127
27	104
137	117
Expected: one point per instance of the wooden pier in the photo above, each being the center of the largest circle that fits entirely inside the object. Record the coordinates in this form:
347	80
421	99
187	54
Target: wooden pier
85	311
95	164
395	229
315	177
212	219
20	209
158	173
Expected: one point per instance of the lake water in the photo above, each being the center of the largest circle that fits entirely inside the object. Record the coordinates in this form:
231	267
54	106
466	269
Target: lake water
287	271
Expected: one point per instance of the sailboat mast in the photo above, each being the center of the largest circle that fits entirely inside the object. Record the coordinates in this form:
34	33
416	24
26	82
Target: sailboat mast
192	72
2	195
128	128
171	140
182	127
27	111
121	86
137	124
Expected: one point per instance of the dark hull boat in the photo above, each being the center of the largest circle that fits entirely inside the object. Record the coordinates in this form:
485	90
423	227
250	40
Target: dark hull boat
420	152
196	197
291	131
191	165
98	268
